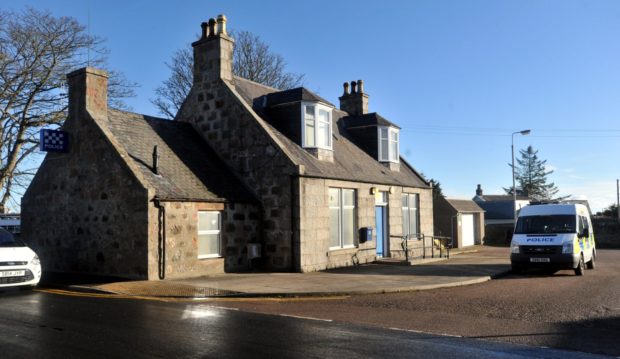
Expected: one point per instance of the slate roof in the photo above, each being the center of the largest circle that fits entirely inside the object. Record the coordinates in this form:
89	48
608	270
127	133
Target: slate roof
288	96
251	90
500	197
498	209
188	168
464	205
367	119
350	162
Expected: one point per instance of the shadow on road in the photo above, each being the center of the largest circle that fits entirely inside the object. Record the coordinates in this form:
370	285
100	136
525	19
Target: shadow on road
50	279
435	270
596	336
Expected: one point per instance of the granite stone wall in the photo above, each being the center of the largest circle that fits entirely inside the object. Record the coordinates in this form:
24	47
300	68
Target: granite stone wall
415	246
239	226
241	139
85	211
314	230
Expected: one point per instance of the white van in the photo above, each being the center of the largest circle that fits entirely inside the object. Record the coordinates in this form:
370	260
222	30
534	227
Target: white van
557	236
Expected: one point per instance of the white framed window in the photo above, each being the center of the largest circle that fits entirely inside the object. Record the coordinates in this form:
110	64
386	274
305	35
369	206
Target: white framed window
209	238
342	218
411	215
388	144
316	126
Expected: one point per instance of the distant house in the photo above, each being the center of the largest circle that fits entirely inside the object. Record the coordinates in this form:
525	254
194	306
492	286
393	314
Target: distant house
11	222
499	214
460	219
246	175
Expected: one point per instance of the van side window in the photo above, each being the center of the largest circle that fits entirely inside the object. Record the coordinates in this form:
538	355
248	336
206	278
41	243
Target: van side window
583	224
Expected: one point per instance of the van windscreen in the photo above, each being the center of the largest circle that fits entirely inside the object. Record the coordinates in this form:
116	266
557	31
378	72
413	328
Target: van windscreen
546	224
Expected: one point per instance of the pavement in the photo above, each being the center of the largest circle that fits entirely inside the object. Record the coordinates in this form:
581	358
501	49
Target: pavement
469	266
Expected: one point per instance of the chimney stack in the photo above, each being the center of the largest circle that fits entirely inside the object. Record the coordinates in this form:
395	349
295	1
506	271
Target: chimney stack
354	103
479	190
88	92
213	52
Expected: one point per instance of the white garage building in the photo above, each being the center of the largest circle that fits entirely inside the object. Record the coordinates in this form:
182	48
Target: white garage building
461	219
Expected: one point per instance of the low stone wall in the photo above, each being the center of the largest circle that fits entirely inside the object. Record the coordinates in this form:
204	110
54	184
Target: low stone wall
498	234
606	232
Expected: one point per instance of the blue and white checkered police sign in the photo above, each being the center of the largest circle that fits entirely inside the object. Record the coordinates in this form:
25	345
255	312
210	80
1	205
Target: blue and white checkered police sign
54	141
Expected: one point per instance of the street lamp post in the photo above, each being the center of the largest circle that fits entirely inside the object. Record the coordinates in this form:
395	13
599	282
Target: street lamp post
514	188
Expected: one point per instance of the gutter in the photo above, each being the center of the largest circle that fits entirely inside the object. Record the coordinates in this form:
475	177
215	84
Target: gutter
360	181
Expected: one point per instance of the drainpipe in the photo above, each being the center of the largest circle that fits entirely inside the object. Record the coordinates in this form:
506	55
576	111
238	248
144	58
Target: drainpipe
161	238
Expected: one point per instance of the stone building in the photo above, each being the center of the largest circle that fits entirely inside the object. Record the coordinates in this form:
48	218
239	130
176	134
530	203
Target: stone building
243	171
499	215
460	219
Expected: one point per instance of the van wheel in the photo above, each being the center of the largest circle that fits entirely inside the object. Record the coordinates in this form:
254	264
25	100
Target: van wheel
516	269
581	267
591	264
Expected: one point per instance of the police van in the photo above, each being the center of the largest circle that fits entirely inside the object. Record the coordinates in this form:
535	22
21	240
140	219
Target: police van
555	236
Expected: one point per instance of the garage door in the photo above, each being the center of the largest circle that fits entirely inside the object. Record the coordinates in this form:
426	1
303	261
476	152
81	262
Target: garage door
467	223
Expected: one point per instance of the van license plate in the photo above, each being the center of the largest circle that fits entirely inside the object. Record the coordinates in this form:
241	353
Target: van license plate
12	273
540	260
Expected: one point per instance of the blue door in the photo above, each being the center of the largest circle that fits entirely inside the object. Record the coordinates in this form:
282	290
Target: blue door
380	224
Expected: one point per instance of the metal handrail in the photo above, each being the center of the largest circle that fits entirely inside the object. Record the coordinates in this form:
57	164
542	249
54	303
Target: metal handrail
443	243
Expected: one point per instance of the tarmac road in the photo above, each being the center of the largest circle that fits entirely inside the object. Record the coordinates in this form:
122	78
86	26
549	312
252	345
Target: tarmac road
40	324
558	310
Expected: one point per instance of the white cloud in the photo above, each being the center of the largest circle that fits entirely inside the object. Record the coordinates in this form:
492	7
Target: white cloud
550	168
600	194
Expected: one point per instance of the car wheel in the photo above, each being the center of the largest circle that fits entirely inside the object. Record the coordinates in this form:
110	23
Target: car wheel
591	264
581	267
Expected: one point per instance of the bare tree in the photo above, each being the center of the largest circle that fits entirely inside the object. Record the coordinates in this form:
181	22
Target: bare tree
172	93
252	59
37	50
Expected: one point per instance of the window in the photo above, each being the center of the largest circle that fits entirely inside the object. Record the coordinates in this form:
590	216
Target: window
411	215
388	144
341	218
559	223
209	243
317	126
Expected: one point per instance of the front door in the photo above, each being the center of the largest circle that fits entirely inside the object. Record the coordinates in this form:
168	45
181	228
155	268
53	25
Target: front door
383	249
379	214
381	201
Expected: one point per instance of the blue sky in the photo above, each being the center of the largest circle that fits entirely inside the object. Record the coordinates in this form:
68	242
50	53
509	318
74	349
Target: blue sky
458	76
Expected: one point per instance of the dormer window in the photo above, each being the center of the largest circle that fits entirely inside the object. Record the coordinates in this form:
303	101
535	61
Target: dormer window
388	144
317	126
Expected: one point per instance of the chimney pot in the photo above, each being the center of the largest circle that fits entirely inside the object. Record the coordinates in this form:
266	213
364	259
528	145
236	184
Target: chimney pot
356	102
479	190
205	30
213	55
211	27
221	24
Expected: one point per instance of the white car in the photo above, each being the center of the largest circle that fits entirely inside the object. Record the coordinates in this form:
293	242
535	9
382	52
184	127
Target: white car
19	265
